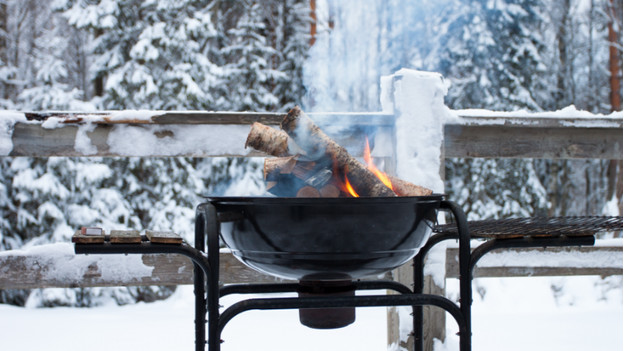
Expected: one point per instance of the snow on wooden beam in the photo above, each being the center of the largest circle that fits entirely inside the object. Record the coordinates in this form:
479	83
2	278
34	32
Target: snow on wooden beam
56	266
153	133
476	133
604	259
505	135
200	117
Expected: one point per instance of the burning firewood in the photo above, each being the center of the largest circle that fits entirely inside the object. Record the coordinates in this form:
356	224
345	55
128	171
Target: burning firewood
308	191
300	174
320	177
405	188
271	141
317	144
310	164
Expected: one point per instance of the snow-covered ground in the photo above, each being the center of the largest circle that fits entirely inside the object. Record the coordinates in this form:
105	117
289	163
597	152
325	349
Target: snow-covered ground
575	313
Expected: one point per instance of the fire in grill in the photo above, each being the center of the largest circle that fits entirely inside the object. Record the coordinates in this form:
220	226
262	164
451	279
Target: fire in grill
335	219
326	243
308	163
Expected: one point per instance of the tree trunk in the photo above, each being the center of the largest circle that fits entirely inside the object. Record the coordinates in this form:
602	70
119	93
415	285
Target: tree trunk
614	172
615	60
561	95
3	45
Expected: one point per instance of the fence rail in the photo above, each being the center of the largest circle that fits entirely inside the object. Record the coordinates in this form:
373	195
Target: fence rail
49	267
501	136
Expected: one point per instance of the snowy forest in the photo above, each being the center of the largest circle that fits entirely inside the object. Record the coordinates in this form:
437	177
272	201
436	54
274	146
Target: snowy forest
252	55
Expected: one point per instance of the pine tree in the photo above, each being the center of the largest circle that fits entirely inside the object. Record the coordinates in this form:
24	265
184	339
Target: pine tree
248	70
292	38
491	53
33	59
579	38
153	54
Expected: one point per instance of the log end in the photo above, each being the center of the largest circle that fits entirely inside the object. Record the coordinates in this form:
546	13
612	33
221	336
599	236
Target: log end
308	191
289	122
269	140
253	135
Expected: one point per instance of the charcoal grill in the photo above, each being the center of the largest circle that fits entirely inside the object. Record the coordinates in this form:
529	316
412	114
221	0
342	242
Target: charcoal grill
327	245
306	239
325	239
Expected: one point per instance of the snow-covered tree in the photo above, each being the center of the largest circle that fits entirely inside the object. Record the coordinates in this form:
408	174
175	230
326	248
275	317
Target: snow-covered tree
248	53
291	35
34	72
492	53
152	53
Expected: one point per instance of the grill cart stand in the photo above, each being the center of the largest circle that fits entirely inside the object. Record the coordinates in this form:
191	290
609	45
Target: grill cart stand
210	321
207	229
205	257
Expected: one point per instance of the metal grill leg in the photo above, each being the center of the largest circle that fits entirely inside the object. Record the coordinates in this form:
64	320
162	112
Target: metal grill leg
199	286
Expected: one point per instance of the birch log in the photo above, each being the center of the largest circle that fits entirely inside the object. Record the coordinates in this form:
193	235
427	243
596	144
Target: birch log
317	144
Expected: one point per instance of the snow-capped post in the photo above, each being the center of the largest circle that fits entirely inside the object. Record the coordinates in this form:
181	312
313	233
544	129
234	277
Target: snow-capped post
417	100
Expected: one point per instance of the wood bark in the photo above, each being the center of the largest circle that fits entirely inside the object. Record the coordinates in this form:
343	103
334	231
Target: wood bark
308	191
305	178
278	165
405	188
275	166
317	144
269	140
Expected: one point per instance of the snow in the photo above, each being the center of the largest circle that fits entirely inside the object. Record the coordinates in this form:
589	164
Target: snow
7	121
72	268
174	140
83	143
567	117
514	314
419	105
566	112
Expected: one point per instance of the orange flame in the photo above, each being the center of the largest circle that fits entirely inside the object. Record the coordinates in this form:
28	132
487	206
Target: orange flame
371	167
349	188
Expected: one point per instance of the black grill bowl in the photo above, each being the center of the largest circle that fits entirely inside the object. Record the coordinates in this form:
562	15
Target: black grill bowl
325	238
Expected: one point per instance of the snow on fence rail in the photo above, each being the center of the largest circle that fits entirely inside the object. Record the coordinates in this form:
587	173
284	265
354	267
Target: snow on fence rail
56	266
475	133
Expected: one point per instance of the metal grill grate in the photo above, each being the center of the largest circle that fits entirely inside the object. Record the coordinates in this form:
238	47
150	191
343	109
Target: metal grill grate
537	226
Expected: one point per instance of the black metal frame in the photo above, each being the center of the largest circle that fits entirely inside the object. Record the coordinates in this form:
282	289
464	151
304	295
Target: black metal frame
207	230
468	263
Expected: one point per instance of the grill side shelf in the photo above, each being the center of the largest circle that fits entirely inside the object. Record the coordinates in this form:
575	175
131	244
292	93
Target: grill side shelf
127	237
537	227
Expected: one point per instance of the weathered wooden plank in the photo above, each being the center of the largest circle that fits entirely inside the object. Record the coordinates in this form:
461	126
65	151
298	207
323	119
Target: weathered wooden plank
63	269
50	267
551	261
198	140
83	238
125	237
517	141
534	120
493	136
201	117
159	237
34	141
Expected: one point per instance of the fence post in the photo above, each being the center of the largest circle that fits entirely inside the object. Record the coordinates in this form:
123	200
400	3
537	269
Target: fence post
417	101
